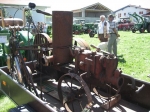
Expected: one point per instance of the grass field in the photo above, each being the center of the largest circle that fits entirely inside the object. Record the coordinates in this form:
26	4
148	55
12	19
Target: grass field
135	59
5	103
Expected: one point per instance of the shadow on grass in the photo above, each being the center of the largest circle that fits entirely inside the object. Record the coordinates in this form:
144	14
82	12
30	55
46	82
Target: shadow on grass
121	59
141	33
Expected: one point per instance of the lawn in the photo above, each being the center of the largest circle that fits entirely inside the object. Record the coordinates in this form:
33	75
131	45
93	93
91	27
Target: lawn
134	49
5	103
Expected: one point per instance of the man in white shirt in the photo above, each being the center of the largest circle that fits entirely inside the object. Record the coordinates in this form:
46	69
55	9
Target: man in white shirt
103	29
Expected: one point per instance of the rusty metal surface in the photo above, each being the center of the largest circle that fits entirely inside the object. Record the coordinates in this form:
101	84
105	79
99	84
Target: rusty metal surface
12	22
42	40
82	43
103	68
134	91
62	36
75	94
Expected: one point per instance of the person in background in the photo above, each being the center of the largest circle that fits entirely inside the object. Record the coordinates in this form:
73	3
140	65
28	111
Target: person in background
45	28
38	26
103	29
41	27
112	42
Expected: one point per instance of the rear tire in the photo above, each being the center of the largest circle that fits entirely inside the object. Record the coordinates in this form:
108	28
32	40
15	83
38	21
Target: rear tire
148	28
91	34
142	30
133	30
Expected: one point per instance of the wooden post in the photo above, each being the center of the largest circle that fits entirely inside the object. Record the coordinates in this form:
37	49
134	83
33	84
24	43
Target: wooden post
24	17
1	14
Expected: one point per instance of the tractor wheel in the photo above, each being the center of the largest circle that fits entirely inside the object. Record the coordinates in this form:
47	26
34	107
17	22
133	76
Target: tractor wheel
148	28
76	32
85	31
89	30
91	34
142	30
133	30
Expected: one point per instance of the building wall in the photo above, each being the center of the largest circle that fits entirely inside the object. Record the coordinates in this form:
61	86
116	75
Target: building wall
78	14
90	16
124	13
96	14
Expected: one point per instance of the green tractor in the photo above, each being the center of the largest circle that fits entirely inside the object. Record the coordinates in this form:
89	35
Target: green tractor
94	29
88	28
22	37
78	26
141	24
7	26
77	29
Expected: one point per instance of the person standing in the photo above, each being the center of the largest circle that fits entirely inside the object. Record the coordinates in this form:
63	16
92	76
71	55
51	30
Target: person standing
112	43
45	28
103	29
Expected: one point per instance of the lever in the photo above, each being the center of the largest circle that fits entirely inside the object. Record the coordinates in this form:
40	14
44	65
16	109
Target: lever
42	12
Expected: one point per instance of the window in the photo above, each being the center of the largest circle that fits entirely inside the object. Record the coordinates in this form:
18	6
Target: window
120	14
124	14
141	12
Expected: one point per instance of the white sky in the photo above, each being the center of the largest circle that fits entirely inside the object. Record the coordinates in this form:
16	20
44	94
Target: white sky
111	4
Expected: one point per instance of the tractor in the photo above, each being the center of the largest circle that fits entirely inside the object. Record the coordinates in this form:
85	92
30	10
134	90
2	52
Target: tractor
78	26
141	24
8	24
94	29
125	24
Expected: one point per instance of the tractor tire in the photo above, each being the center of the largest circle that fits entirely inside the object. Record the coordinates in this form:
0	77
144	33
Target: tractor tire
91	34
85	31
76	32
133	30
148	28
142	30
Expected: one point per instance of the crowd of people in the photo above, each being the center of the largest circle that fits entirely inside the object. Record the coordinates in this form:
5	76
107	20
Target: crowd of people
107	33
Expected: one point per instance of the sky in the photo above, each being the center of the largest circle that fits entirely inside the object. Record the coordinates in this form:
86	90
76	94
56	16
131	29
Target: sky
111	4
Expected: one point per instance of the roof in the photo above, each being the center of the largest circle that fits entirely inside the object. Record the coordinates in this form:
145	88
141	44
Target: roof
94	7
131	6
24	2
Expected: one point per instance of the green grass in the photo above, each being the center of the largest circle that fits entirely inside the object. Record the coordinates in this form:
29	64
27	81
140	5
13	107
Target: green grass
5	103
134	49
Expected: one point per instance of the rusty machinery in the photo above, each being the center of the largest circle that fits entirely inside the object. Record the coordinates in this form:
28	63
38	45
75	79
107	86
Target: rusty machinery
80	71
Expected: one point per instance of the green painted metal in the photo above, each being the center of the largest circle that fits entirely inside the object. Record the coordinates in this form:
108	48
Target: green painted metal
5	49
141	23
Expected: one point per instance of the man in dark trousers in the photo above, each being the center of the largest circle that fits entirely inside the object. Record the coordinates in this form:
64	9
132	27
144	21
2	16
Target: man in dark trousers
112	43
103	29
